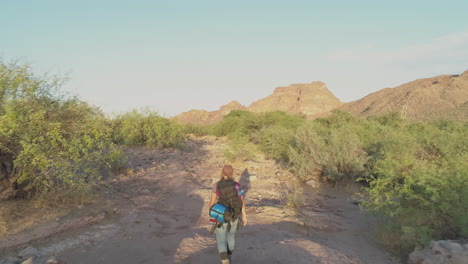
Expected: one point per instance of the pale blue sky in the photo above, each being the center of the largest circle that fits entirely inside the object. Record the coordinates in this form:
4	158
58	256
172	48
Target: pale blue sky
173	56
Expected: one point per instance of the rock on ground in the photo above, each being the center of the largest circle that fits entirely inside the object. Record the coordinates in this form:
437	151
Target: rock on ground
28	252
10	260
441	252
28	261
312	183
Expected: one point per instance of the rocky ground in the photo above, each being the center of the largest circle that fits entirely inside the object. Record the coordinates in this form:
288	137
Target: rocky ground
157	212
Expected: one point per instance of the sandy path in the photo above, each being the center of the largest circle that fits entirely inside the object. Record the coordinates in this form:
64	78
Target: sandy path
164	218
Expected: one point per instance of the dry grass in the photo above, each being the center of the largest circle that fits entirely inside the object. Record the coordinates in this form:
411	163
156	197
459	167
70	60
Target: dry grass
22	214
391	242
295	198
348	186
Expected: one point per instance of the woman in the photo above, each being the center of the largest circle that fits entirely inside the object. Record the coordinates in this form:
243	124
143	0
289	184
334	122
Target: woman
226	191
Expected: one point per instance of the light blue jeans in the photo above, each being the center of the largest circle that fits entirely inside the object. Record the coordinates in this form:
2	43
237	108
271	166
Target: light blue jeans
226	239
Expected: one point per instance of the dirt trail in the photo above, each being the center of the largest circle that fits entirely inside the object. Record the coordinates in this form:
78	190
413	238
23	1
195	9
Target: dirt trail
163	217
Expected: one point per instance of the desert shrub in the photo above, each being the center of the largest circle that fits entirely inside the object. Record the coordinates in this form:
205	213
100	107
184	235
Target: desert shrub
330	148
237	125
420	185
392	119
281	119
270	132
276	134
337	155
295	198
275	142
55	141
416	173
240	149
147	128
198	130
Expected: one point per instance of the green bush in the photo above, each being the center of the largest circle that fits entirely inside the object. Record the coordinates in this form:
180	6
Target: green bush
281	119
275	142
241	149
336	155
53	141
271	132
147	128
416	173
277	134
420	184
237	124
198	130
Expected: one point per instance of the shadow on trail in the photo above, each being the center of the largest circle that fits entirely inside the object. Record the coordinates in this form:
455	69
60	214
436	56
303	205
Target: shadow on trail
272	243
152	236
280	242
255	243
244	180
174	226
161	218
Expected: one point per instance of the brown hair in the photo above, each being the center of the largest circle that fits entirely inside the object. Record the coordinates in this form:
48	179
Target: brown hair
227	172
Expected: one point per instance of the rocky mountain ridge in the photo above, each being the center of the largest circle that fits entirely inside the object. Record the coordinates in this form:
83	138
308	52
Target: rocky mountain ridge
444	96
309	99
204	117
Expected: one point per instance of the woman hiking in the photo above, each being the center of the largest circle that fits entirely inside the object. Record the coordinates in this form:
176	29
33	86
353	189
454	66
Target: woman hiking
228	193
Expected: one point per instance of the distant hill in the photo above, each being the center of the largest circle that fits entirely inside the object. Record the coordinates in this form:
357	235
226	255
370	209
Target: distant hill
310	99
203	117
441	97
444	96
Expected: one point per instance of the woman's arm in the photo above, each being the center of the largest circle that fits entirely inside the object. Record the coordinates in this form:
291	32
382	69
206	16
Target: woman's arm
213	200
214	196
244	214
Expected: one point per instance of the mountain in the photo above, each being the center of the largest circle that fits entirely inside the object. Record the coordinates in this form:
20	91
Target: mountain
310	99
203	117
441	97
444	96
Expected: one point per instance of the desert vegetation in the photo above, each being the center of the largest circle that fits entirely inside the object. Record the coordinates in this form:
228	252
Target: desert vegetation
270	133
413	175
53	142
48	140
146	128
